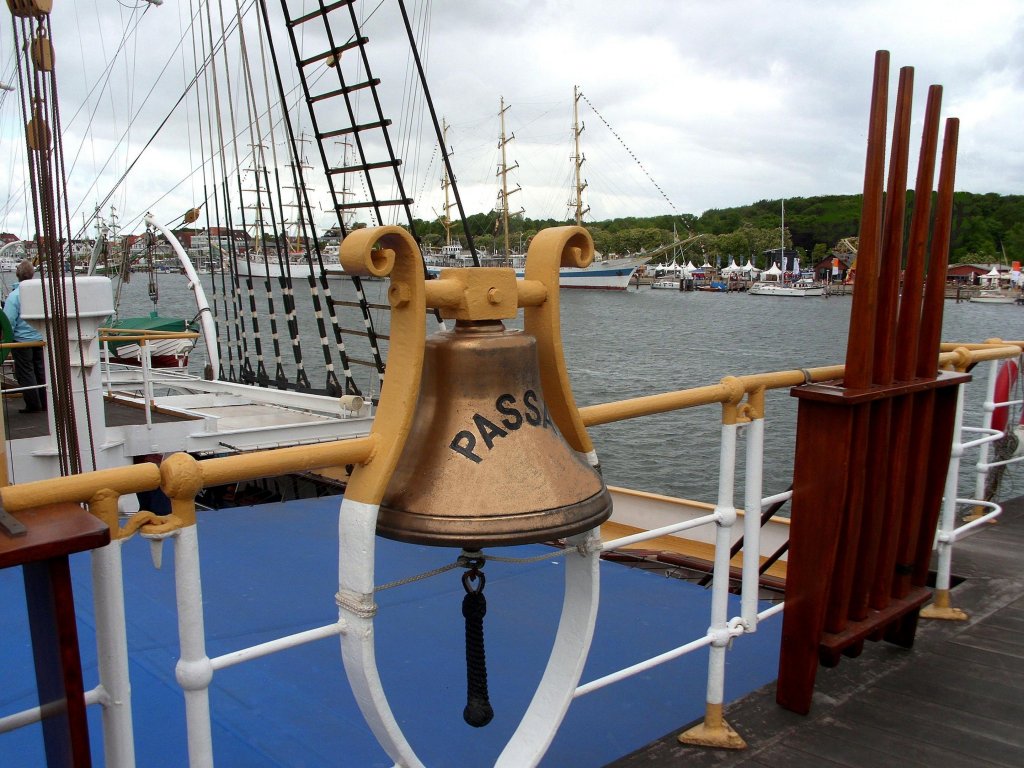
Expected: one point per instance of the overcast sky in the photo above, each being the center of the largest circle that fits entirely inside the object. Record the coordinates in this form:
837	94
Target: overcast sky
698	104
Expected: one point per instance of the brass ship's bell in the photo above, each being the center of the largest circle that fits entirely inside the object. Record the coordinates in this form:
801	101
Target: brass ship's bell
484	464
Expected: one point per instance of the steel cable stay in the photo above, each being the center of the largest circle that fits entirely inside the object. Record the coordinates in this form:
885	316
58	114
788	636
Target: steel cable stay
257	141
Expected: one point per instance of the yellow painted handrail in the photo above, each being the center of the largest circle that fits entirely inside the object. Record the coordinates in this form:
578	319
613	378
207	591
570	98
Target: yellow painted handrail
147	476
21	344
114	334
182	476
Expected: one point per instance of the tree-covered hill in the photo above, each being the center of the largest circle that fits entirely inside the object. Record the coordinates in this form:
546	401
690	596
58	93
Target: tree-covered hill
984	225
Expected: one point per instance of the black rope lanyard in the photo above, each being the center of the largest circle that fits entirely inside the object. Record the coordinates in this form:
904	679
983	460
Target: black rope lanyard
478	711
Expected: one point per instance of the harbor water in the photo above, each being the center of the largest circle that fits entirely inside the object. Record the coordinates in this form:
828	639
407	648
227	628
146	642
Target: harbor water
624	344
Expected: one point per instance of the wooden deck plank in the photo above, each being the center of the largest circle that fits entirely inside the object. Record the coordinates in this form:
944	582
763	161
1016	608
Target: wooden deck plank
856	745
991	635
679	546
962	735
974	686
979	653
1005	621
784	754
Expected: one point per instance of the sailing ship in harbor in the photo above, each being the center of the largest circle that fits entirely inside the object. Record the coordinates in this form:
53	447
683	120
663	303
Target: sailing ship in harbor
613	274
234	651
286	255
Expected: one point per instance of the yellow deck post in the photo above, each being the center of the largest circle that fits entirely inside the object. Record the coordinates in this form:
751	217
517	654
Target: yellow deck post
713	732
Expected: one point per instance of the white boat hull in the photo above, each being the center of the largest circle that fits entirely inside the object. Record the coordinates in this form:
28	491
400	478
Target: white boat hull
609	276
164	353
993	297
601	276
773	289
296	268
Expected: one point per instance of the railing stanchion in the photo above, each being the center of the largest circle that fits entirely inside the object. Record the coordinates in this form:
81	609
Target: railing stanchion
714	731
753	488
182	478
941	607
105	366
112	654
988	408
193	670
147	382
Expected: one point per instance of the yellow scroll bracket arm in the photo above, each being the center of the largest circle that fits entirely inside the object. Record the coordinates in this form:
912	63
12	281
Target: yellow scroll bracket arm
468	294
380	252
549	250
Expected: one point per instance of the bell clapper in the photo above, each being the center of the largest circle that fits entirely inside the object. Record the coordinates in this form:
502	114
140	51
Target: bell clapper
478	711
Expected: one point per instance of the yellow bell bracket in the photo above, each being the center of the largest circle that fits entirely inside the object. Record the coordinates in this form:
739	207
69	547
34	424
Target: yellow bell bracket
549	250
396	254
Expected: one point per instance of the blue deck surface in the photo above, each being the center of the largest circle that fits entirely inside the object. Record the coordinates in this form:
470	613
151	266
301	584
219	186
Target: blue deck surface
271	570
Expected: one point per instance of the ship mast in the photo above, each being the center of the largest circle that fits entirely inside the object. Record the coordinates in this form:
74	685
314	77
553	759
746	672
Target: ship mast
782	237
446	183
296	241
578	159
346	215
503	170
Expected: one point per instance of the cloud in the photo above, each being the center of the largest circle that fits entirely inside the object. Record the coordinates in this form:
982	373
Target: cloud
688	105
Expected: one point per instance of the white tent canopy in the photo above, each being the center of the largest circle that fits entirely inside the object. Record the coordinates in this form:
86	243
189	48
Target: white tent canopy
992	277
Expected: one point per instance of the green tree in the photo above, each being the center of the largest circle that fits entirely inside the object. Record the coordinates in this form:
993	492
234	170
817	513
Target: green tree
819	253
1013	242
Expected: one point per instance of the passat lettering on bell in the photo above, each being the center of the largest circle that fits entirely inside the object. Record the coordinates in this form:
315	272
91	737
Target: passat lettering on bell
511	418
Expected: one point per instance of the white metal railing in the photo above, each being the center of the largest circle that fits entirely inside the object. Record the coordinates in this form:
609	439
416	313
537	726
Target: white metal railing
195	669
145	362
722	629
949	532
10	347
13	390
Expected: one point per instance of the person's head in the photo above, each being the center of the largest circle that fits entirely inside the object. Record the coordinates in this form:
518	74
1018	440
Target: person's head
25	270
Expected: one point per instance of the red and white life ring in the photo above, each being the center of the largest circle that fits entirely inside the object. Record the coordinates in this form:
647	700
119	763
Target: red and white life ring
1006	380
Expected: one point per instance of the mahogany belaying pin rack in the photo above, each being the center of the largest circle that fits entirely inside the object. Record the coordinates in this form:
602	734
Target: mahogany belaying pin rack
872	450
